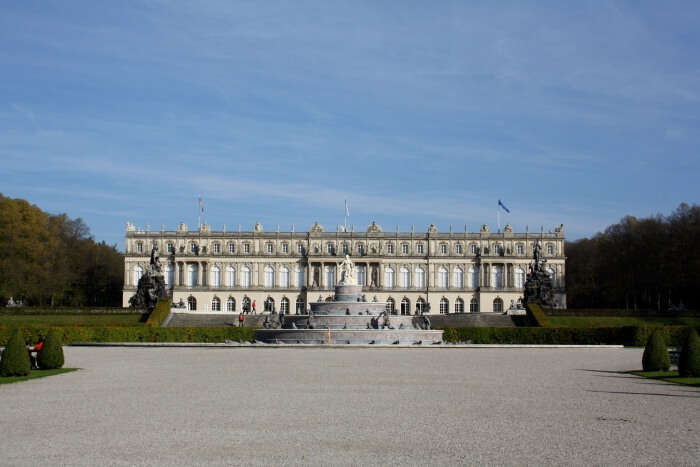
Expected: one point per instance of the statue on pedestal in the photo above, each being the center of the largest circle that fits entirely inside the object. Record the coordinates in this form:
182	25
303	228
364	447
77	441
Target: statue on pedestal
538	285
151	285
346	271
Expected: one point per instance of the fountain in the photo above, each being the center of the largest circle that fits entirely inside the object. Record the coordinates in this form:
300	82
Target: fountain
349	319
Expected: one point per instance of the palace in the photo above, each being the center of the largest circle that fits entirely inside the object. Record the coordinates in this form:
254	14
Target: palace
258	271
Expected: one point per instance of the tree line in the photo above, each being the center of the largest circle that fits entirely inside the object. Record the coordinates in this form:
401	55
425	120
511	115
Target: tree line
651	263
48	259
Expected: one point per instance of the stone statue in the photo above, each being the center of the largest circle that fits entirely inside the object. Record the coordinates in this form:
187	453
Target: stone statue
156	268
536	253
151	285
538	285
347	272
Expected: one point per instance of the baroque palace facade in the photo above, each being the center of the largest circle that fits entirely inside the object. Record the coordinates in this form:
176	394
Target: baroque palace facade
411	272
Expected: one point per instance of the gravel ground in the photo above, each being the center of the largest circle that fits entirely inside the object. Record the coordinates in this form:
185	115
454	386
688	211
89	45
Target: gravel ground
224	406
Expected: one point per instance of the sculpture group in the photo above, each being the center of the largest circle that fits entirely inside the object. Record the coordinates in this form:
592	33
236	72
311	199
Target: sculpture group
538	285
151	285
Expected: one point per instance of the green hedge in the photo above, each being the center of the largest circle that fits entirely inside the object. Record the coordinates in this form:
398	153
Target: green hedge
72	334
159	313
537	315
66	310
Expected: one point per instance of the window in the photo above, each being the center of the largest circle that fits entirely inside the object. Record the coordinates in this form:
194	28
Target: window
473	305
230	276
330	277
473	277
284	277
390	248
246	305
388	278
169	276
550	249
193	247
474	249
497	276
139	247
216	248
300	276
459	278
443	249
520	249
497	249
301	308
552	275
459	306
444	306
404	249
498	305
300	248
192	276
390	310
420	306
458	248
215	304
360	273
191	303
329	248
419	248
269	277
345	248
420	278
138	272
171	248
215	277
360	249
404	278
230	304
269	305
231	248
269	247
284	306
443	279
246	248
245	276
405	307
519	278
285	248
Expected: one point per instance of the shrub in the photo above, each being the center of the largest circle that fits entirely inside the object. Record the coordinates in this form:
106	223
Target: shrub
655	356
15	358
689	359
51	355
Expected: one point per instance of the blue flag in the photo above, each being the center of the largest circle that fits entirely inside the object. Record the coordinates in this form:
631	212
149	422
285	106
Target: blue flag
503	206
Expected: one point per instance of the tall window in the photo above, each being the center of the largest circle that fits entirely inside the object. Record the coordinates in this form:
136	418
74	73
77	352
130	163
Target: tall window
246	305
473	248
191	303
390	248
474	305
300	276
361	274
420	306
171	248
230	304
300	248
405	278
246	248
444	306
420	277
405	307
231	248
269	247
230	276
519	278
269	304
215	277
138	272
300	306
443	249
360	249
520	249
498	305
458	248
245	276
443	279
169	276
389	278
284	306
285	248
215	304
419	248
329	248
550	249
345	248
330	277
459	306
404	249
459	278
139	247
284	277
497	276
473	277
390	308
192	273
193	247
269	277
216	248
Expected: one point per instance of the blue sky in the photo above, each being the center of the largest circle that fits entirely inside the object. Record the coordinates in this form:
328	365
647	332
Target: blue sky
416	112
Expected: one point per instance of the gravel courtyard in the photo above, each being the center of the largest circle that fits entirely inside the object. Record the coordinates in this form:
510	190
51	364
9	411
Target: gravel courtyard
194	406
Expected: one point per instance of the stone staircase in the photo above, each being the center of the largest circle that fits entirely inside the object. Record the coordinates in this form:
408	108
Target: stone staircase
492	320
203	320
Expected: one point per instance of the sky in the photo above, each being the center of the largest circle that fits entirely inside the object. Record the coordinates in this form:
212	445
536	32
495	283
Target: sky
416	113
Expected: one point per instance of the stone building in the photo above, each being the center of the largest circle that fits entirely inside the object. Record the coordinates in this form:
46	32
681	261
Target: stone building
432	272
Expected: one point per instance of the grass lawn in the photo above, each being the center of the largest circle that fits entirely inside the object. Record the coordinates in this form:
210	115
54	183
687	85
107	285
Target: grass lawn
33	374
670	376
598	321
107	319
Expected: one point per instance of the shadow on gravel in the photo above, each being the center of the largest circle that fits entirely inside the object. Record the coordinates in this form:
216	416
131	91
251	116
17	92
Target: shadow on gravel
605	371
644	394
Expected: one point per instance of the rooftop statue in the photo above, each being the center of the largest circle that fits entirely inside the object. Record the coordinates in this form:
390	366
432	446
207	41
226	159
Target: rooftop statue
347	272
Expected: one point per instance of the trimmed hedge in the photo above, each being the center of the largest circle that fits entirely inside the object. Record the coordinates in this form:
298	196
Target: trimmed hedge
159	313
67	310
689	359
537	315
15	358
655	356
51	355
72	334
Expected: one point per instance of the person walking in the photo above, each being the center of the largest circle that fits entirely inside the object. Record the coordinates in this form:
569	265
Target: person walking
241	320
254	310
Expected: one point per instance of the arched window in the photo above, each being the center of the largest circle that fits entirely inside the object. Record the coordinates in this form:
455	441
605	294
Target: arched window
245	276
459	306
215	304
388	278
444	306
191	303
473	277
459	278
519	278
215	277
284	306
361	275
474	305
330	277
443	278
269	304
301	307
192	275
246	305
420	278
390	309
284	277
231	304
552	275
497	276
405	306
498	305
269	277
420	306
300	276
138	272
404	278
230	276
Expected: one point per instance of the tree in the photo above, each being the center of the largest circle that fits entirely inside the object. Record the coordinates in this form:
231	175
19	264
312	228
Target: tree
15	358
51	355
655	356
689	359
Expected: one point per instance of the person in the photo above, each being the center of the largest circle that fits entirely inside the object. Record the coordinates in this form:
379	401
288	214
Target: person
254	311
34	353
241	320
